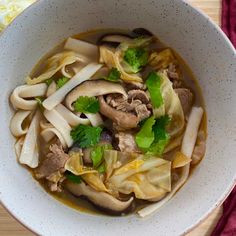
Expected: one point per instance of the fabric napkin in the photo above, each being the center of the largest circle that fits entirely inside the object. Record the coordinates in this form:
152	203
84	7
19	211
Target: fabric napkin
228	18
227	223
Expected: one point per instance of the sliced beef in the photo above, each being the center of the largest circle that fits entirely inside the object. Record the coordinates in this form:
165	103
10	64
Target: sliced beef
174	76
54	161
137	103
55	180
126	142
186	99
137	94
142	112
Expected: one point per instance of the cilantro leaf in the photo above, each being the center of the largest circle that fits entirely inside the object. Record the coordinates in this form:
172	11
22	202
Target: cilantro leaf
86	136
153	83
49	81
145	136
61	82
114	75
86	104
73	178
136	58
97	154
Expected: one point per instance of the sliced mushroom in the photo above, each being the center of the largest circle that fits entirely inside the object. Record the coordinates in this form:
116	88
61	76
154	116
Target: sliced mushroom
123	119
93	88
141	32
113	40
101	200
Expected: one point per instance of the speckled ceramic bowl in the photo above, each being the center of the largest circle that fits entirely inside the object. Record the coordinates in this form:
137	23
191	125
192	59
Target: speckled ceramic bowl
203	46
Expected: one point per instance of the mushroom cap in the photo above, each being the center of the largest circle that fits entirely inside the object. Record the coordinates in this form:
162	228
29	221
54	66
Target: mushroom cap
93	88
101	200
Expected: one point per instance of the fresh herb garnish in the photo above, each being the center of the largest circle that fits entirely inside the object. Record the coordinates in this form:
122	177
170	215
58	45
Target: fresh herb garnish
86	104
86	136
145	136
153	137
153	83
61	82
114	75
73	178
136	58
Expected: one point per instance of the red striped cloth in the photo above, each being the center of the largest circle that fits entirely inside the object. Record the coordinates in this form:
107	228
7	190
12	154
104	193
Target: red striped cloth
228	19
227	223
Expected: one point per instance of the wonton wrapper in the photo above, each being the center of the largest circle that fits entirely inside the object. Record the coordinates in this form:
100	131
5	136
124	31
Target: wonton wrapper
148	179
94	180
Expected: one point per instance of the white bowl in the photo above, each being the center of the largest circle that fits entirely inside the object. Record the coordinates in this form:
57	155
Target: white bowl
203	46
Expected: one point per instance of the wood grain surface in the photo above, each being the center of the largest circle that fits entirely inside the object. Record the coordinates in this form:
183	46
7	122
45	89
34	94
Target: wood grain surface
10	227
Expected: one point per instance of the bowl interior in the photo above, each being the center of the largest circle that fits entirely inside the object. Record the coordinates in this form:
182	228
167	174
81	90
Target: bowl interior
204	48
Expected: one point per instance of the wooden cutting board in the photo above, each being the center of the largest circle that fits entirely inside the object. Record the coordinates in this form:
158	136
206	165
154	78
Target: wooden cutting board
10	227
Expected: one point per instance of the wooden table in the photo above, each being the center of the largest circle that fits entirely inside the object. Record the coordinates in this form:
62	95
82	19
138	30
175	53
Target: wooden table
10	227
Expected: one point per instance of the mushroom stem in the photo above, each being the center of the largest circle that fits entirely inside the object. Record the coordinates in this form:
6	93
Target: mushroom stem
123	119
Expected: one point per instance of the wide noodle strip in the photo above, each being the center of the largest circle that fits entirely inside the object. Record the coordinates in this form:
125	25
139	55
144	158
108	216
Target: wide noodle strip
17	123
29	153
55	118
23	96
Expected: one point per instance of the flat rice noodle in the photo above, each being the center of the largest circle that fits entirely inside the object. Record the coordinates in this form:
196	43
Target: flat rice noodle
58	121
18	146
188	143
171	107
52	88
16	125
95	119
70	117
85	74
94	180
21	94
49	133
113	59
75	165
44	124
85	49
29	153
55	64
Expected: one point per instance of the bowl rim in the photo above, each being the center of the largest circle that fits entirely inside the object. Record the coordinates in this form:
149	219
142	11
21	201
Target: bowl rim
201	13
